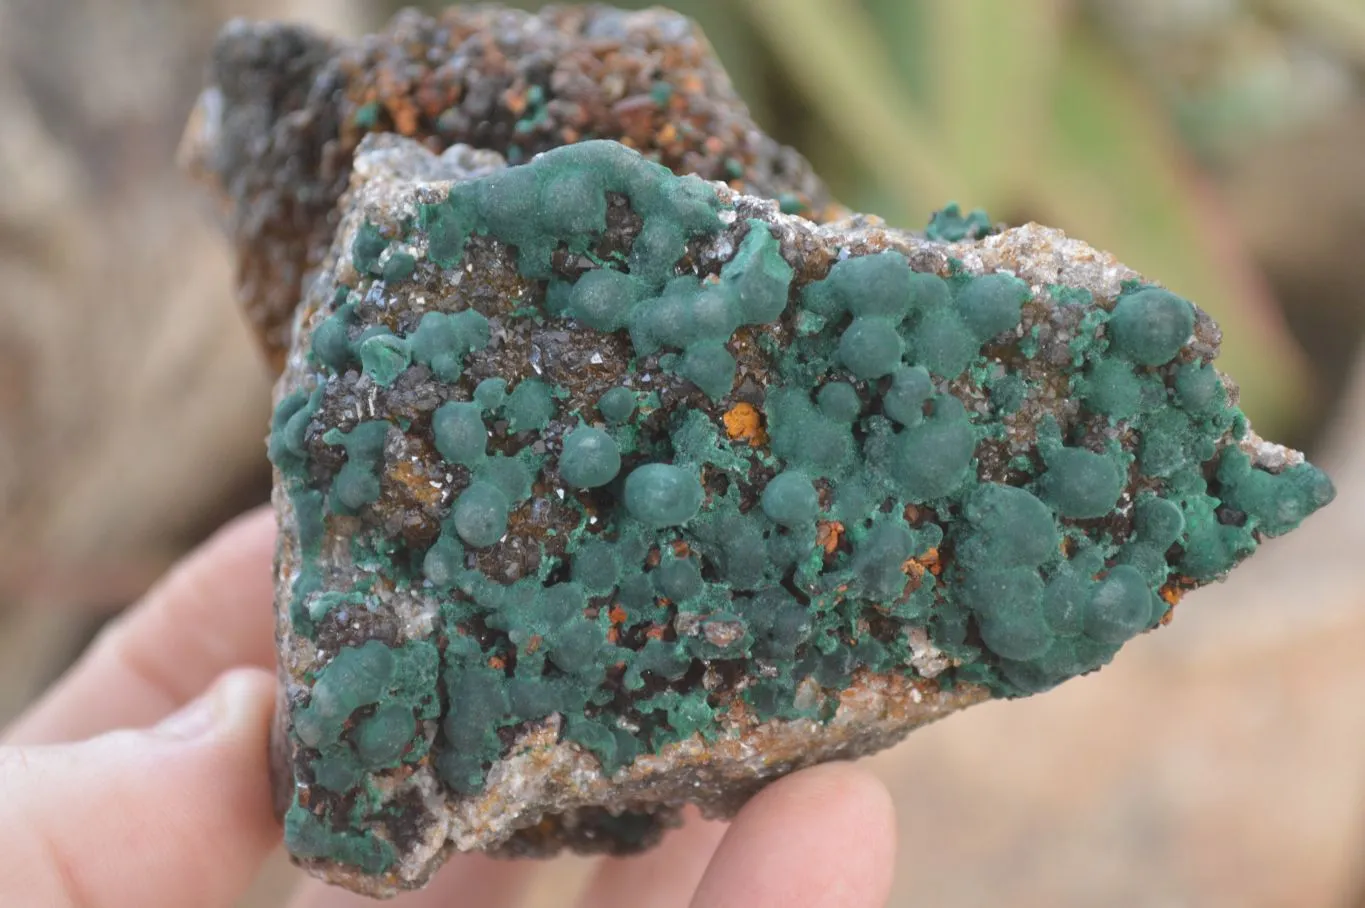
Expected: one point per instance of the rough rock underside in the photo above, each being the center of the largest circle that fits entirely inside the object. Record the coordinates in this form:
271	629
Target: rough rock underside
605	489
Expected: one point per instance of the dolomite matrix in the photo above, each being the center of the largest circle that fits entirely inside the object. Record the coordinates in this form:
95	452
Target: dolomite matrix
604	489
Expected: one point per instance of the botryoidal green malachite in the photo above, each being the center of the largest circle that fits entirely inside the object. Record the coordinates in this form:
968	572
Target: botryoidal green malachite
651	493
604	489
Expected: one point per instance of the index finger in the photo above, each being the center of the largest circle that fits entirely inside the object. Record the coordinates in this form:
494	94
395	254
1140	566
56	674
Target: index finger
212	612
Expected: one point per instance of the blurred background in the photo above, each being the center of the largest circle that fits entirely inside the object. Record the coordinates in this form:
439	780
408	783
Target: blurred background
1216	145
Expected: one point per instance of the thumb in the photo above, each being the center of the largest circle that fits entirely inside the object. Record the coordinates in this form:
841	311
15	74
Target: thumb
175	815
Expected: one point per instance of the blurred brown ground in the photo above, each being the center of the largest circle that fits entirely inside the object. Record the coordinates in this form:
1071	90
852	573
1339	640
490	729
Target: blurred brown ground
1220	761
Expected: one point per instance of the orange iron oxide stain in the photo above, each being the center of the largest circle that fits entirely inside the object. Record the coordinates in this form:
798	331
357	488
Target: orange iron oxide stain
743	423
828	534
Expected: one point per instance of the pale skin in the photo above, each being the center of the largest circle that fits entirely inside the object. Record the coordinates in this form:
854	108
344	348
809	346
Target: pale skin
140	780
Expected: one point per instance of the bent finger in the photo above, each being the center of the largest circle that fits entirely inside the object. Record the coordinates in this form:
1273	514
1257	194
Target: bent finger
175	815
824	837
212	612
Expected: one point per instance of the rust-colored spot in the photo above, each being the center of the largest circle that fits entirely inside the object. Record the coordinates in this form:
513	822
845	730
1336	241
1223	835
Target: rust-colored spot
415	481
497	662
655	632
1171	594
827	535
743	422
617	615
636	116
681	548
431	100
405	115
931	561
533	644
515	100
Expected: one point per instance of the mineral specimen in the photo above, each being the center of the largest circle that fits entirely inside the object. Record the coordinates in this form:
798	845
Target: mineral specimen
604	489
624	490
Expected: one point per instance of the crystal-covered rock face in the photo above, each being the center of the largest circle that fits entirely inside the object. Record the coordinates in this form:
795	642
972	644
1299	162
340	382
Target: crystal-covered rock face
604	490
277	128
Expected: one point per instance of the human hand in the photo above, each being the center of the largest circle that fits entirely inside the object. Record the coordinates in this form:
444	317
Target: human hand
140	779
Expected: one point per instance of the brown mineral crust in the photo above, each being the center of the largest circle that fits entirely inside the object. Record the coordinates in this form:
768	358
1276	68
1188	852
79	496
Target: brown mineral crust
277	129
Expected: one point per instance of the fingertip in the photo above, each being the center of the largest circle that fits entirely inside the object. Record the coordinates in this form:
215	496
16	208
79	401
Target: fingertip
835	783
852	808
824	836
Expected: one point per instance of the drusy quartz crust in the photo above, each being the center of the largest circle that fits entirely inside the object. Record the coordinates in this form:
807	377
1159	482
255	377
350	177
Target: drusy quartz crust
604	490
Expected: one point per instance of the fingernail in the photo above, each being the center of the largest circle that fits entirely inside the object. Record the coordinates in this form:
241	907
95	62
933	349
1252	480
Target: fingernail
215	707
